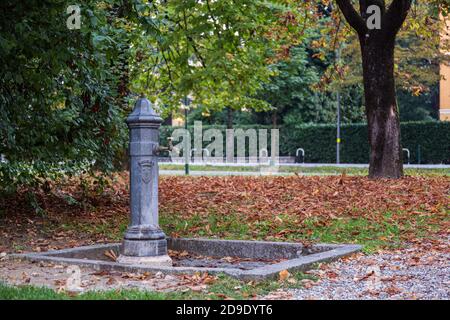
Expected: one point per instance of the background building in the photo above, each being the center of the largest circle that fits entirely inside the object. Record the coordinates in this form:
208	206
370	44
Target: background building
444	88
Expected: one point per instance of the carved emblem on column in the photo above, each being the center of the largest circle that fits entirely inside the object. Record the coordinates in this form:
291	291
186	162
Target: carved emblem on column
146	170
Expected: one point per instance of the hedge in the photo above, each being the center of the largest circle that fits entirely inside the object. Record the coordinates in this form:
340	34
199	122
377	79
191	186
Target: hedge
428	140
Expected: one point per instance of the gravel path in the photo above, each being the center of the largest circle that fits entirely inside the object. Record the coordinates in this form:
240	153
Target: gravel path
421	271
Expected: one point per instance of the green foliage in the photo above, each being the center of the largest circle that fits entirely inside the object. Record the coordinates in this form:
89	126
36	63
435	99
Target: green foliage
419	52
433	139
58	93
221	117
214	51
294	96
319	142
64	93
290	88
422	107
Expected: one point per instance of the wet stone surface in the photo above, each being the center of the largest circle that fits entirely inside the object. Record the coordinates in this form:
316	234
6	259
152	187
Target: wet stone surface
186	259
190	259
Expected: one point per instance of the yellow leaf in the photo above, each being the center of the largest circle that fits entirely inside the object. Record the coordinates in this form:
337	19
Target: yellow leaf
284	275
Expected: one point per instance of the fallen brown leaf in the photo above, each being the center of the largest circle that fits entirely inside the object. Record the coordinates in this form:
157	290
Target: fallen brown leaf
284	275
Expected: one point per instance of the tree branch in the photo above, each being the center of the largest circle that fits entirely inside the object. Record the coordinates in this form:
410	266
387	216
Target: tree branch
395	16
364	4
352	16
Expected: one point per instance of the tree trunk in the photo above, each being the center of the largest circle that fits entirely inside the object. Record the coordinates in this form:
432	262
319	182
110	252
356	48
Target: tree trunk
377	47
168	121
381	107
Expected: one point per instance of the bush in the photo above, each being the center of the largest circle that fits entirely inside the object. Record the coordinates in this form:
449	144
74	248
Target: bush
429	141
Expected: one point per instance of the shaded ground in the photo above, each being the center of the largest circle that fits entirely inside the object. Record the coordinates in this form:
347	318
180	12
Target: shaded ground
381	215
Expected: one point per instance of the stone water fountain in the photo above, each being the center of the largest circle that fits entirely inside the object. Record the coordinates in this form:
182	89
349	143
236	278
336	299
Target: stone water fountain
145	246
144	241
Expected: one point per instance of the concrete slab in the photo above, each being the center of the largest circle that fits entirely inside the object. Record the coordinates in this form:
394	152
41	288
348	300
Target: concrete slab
294	256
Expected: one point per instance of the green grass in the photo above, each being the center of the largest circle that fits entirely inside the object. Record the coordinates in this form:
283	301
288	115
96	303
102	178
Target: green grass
373	232
372	235
224	287
43	293
380	231
305	170
222	226
113	231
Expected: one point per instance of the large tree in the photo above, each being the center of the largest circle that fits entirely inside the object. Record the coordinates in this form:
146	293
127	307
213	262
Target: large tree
377	50
64	92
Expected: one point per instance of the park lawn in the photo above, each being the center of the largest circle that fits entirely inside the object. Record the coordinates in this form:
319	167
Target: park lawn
379	214
337	209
